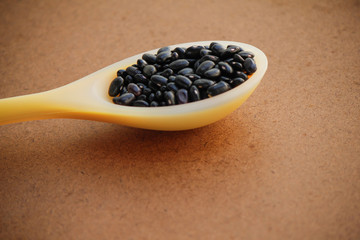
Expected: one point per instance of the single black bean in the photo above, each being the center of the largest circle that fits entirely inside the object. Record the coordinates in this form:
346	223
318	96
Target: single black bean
154	104
225	68
183	81
169	97
192	76
147	91
124	99
134	89
141	85
141	63
193	51
217	49
151	97
234	46
171	78
129	79
181	96
163	57
194	93
212	44
172	87
179	64
158	95
116	86
149	58
121	73
167	72
149	70
246	54
132	71
204	52
140	103
174	56
180	51
164	49
204	66
185	71
250	66
218	88
158	80
237	81
141	78
153	86
203	83
142	97
196	64
230	51
163	88
240	74
212	73
225	79
236	65
213	58
238	58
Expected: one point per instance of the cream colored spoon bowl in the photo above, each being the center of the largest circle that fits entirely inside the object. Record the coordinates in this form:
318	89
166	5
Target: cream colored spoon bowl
87	98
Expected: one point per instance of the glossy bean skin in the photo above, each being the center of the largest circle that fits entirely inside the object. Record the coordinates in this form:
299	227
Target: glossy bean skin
116	86
181	96
186	71
246	54
218	88
179	64
163	57
194	93
149	58
180	51
172	87
203	83
124	99
250	66
149	70
132	71
169	97
193	51
236	82
212	73
134	89
183	81
204	66
225	68
140	103
159	80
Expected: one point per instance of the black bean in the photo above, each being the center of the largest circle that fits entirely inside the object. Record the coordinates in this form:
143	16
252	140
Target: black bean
141	78
193	51
204	66
158	80
124	99
153	86
181	96
172	87
212	73
203	83
183	81
163	49
129	79
163	88
149	70
213	58
240	74
204	52
196	64
236	65
230	51
192	76
237	81
147	91
217	49
132	71
179	64
158	95
163	57
225	68
169	97
174	56
141	63
185	71
134	89
218	88
140	103
171	78
116	86
250	66
235	46
141	85
238	58
180	51
149	58
121	73
151	97
154	104
142	97
167	72
194	94
246	54
191	61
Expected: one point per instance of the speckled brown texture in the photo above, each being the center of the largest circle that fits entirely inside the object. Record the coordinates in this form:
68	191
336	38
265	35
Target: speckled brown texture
285	165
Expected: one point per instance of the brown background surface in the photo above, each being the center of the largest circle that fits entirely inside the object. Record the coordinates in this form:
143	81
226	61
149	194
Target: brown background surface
285	165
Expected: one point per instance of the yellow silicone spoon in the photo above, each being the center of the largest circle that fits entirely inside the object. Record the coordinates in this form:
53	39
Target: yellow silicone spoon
87	98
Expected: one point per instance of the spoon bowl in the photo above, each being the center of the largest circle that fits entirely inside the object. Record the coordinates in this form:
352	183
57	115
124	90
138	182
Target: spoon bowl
87	98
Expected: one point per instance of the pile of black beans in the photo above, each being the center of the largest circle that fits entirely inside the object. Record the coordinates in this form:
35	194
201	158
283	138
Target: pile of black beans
182	75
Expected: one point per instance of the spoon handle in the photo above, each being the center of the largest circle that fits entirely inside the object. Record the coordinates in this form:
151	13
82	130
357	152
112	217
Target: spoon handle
29	107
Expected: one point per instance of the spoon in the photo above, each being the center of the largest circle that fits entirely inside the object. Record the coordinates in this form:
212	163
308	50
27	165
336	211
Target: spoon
87	98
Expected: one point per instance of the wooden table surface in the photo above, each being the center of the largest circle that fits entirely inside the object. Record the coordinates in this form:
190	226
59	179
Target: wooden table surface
285	165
